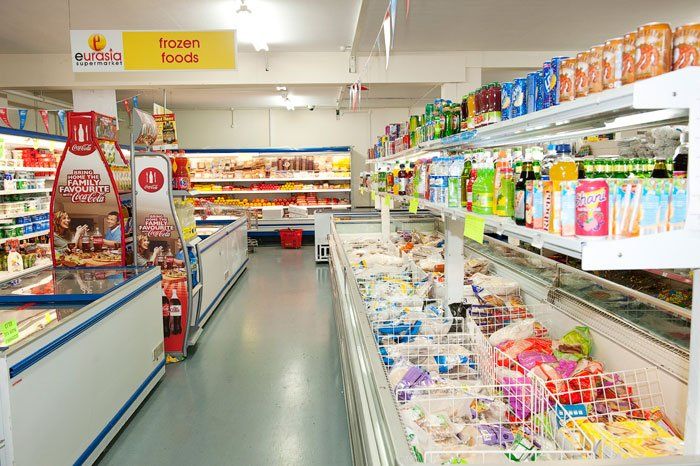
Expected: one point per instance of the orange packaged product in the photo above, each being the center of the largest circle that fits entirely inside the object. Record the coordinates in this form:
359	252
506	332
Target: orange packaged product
628	50
653	50
686	46
567	72
581	75
612	63
595	69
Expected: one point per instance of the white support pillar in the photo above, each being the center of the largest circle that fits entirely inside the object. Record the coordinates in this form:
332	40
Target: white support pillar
454	259
386	217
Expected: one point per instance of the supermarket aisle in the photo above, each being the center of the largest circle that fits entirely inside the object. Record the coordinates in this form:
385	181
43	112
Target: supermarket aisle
264	385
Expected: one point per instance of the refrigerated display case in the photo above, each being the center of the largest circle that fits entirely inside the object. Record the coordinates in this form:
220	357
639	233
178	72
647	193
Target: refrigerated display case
283	187
654	366
69	382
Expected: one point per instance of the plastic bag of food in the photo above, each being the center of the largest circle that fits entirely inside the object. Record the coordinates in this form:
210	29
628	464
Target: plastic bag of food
575	345
529	359
518	393
543	345
516	331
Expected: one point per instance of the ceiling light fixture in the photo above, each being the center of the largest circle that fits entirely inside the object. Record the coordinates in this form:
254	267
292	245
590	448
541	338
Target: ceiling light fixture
281	88
250	28
287	101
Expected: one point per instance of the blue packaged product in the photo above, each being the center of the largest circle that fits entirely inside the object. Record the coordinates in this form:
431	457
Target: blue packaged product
540	91
548	82
506	100
531	92
518	102
554	82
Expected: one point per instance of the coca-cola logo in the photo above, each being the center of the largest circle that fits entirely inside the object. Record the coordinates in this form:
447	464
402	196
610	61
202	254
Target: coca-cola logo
84	187
151	180
81	148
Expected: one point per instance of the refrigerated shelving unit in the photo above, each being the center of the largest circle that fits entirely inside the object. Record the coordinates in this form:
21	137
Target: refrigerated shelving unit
378	436
272	218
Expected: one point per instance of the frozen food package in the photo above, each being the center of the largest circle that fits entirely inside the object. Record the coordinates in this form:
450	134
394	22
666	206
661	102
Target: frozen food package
516	331
575	345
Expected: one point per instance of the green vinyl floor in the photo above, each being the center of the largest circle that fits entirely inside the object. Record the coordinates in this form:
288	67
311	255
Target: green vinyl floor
264	385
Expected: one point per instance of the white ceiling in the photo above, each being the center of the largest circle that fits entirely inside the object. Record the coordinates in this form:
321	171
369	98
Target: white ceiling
515	25
41	26
378	95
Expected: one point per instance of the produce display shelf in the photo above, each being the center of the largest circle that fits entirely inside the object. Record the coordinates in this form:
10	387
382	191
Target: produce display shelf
254	180
27	169
626	107
24	191
27	236
270	191
23	214
680	247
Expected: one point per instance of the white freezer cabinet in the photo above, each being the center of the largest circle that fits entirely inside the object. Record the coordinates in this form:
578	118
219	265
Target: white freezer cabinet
380	434
222	258
68	381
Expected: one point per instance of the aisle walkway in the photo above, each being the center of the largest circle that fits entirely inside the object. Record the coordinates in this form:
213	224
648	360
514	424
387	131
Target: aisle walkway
264	385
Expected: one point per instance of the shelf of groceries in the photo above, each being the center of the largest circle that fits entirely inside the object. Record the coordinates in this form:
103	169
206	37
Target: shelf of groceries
538	361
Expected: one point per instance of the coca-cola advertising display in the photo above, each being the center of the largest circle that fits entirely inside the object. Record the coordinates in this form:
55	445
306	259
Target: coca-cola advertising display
159	242
87	216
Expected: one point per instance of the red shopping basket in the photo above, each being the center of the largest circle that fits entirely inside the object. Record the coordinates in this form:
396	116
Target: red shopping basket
291	238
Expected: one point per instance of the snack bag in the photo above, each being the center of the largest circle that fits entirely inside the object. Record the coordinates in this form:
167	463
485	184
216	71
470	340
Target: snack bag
568	208
575	345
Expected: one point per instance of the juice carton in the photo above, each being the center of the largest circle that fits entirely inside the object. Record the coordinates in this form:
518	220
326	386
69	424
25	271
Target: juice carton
529	204
663	191
592	208
648	216
567	210
538	204
613	186
551	220
629	203
679	207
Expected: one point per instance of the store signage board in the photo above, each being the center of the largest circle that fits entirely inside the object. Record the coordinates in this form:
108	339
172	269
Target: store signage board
108	51
9	331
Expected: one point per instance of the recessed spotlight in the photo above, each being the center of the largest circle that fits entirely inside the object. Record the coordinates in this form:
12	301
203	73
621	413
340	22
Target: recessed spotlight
281	88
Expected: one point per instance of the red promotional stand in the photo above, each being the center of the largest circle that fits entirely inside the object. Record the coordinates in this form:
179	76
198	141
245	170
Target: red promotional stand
91	198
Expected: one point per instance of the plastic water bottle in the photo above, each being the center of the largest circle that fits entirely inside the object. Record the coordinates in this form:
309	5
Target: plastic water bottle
454	182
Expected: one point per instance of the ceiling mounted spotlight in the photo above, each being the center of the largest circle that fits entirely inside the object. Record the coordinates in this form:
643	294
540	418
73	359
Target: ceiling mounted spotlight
250	27
281	88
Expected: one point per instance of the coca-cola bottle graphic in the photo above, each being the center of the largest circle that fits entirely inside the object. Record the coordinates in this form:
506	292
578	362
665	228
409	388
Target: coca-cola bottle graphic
166	314
97	240
176	313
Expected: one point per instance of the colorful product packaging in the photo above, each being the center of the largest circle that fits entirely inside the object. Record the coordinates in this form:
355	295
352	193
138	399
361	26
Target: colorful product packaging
529	197
612	63
628	51
663	191
595	69
686	46
567	78
627	209
581	75
567	209
679	208
544	89
518	100
592	208
538	204
612	206
506	100
548	208
648	217
553	81
653	50
531	92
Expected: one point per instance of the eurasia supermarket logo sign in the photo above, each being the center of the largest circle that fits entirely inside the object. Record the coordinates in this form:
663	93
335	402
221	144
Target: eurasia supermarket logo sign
97	51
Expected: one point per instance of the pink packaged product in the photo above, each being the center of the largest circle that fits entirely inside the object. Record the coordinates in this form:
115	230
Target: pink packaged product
592	208
567	206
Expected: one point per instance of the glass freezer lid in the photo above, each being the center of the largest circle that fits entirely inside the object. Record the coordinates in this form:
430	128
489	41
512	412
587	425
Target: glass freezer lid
66	285
31	320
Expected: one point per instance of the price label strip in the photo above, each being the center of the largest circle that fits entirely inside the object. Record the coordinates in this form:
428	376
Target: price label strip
9	331
474	228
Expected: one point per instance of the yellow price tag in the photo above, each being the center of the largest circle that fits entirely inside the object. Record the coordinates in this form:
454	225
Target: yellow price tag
413	206
372	195
474	228
387	201
9	331
47	318
36	143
